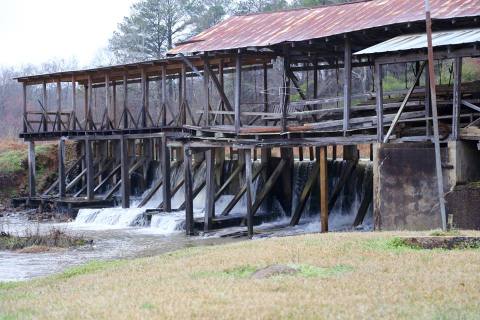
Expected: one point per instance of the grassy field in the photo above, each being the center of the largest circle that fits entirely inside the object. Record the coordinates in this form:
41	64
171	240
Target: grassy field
342	276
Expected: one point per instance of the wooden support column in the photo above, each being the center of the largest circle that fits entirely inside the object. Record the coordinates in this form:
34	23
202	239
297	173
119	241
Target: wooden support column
107	99
61	168
287	179
188	182
238	91
125	100
206	92
45	105
210	191
59	105
347	86
163	120
90	173
165	162
31	169
265	90
248	182
114	104
219	162
286	91
379	98
457	97
88	116
428	125
323	189
74	103
24	103
124	172
221	87
144	98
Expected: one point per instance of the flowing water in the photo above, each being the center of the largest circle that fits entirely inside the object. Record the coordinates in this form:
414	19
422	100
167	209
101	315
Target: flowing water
127	233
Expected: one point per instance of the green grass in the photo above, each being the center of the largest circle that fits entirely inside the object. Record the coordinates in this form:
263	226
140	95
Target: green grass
11	161
90	267
323	272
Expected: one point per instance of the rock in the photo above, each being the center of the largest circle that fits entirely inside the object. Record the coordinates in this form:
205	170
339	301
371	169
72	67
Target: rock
442	242
274	270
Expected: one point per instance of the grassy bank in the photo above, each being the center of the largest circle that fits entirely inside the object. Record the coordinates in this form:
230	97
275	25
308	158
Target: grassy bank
343	275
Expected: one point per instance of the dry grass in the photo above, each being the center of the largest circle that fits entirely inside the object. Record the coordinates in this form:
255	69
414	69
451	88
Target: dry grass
347	276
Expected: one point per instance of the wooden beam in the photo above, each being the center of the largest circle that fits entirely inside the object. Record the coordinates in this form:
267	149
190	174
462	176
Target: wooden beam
366	200
457	97
347	85
61	168
89	166
165	162
206	92
88	116
163	120
31	169
265	90
323	189
248	183
379	98
188	182
24	103
403	105
269	184
125	100
144	98
428	129
74	103
238	92
125	176
210	191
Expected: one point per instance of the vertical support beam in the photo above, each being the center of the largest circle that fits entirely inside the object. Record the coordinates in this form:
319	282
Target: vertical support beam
428	126
436	138
222	83
165	162
125	100
31	169
300	153
238	91
107	95
286	91
334	152
124	172
265	90
90	174
59	105
114	104
61	168
24	103
206	82
287	179
144	98
45	105
88	116
163	121
188	183
323	189
347	86
379	98
85	106
248	183
210	191
74	103
457	97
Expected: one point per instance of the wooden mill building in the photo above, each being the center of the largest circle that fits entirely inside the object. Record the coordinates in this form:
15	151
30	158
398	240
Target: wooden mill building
193	107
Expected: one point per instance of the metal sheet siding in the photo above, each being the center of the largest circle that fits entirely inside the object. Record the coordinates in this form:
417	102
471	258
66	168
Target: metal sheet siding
417	41
264	29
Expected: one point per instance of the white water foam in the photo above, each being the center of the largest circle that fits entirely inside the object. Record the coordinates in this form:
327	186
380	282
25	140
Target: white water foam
110	218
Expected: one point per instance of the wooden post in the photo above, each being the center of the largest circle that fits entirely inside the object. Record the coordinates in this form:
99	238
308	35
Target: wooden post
90	103
436	138
90	173
248	182
265	89
428	127
124	172
457	97
238	91
188	183
144	98
300	153
59	105
287	178
210	189
222	83
206	81
24	102
107	96
163	121
347	86
323	189
31	169
334	152
183	94
61	168
286	91
165	162
125	100
114	104
74	103
45	105
379	96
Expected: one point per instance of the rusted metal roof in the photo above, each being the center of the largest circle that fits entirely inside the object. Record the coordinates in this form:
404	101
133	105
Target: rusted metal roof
418	41
265	29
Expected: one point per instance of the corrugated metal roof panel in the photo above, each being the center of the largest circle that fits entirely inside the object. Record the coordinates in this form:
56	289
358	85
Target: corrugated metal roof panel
264	29
418	41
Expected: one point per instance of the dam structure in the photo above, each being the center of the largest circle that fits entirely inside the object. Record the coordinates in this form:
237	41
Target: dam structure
286	111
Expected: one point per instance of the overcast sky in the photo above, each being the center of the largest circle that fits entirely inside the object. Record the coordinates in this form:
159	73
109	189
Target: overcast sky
35	31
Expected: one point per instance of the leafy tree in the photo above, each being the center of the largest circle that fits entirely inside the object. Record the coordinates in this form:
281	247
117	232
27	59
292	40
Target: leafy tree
209	13
252	6
152	28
